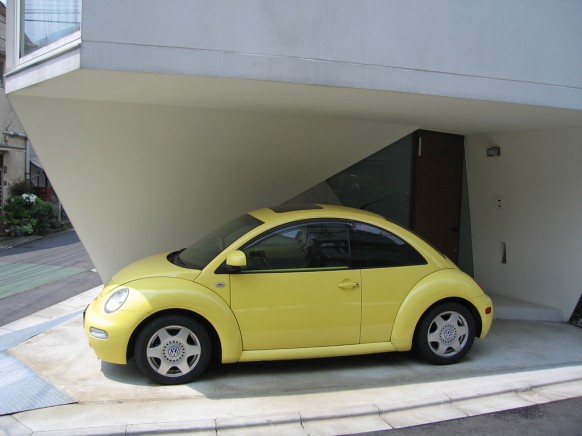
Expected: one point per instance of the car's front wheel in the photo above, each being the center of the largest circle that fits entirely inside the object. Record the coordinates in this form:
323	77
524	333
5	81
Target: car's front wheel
173	349
445	333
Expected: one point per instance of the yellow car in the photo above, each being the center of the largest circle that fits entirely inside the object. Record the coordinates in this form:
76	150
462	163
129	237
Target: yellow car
289	282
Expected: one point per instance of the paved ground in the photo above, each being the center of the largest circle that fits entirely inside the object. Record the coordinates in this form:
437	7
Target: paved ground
521	363
38	272
555	418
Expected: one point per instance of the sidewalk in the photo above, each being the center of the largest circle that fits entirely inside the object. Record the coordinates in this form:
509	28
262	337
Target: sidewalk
521	363
7	242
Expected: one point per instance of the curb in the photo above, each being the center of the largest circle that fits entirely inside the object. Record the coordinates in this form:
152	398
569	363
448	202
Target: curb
6	243
373	410
516	389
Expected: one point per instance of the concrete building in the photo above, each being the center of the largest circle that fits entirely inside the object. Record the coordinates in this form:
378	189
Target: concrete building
14	146
155	121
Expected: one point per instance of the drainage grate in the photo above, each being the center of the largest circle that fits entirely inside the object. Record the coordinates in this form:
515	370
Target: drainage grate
21	389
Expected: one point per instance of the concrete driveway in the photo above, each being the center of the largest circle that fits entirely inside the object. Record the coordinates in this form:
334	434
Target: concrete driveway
519	363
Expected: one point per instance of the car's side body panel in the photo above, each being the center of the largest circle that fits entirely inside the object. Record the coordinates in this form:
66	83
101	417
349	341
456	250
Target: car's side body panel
316	352
383	290
297	310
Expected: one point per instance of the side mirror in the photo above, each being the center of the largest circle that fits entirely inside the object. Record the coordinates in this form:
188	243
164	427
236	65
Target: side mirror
236	259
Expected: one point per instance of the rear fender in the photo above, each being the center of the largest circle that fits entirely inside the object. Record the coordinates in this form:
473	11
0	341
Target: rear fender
440	285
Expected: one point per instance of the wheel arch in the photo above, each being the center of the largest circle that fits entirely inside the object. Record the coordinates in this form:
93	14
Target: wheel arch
166	296
214	336
467	304
450	285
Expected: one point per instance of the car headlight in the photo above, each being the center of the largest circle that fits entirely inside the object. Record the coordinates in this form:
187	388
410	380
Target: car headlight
116	300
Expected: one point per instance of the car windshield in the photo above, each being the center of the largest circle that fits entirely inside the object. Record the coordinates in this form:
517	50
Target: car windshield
199	254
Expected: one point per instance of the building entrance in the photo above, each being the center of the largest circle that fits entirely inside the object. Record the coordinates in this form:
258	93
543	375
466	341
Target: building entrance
416	182
436	190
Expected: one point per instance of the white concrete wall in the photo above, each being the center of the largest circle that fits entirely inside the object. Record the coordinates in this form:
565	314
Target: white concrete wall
539	175
523	51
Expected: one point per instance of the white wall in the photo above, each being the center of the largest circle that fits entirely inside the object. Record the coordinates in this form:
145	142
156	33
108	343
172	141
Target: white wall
522	51
539	175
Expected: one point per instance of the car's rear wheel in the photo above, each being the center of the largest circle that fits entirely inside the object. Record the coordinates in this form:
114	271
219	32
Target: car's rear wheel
173	349
445	333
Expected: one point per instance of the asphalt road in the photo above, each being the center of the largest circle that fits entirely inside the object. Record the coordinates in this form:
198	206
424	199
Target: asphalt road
41	273
556	418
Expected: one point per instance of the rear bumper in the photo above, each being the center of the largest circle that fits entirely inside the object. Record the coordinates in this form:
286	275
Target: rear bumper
484	307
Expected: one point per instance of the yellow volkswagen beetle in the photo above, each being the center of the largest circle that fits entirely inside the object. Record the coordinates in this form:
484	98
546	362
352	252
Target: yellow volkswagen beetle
289	282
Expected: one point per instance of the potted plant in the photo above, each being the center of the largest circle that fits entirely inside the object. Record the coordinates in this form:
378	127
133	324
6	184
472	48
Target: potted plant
24	229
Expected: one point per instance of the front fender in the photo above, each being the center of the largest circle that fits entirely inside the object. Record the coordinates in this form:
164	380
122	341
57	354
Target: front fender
161	294
438	286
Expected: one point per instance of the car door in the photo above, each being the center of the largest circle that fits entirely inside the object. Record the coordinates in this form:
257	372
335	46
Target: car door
390	267
298	289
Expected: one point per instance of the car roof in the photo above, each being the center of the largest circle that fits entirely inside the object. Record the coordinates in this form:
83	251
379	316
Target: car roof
280	215
292	212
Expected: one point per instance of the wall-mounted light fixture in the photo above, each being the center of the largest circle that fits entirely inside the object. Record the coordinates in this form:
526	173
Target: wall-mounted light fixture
494	151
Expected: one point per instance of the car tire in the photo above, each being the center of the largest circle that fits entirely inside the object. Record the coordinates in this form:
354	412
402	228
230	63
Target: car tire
445	333
173	349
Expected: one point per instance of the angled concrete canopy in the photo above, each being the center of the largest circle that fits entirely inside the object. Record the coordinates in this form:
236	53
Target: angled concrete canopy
150	177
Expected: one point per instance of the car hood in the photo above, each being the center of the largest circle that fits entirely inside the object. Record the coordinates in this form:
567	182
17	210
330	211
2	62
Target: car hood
157	265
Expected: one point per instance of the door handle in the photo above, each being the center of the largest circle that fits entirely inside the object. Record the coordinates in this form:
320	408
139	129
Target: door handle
348	285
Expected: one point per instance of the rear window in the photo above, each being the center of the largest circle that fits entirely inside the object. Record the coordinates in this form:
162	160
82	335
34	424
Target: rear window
373	247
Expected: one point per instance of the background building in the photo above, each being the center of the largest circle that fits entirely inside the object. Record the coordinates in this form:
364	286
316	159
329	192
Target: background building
18	160
14	149
155	122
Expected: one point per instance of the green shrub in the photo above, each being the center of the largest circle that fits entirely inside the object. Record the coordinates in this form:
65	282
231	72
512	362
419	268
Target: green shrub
19	188
25	229
42	213
28	213
17	209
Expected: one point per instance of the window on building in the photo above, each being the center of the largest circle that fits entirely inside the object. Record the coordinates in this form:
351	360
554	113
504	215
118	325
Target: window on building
46	21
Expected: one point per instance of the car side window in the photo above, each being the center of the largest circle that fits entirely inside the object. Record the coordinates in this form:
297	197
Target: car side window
373	247
301	247
327	246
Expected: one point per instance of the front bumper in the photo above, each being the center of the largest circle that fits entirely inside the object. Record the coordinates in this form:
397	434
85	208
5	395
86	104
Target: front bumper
118	328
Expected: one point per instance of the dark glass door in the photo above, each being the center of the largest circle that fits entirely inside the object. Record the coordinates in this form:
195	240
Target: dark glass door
436	187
